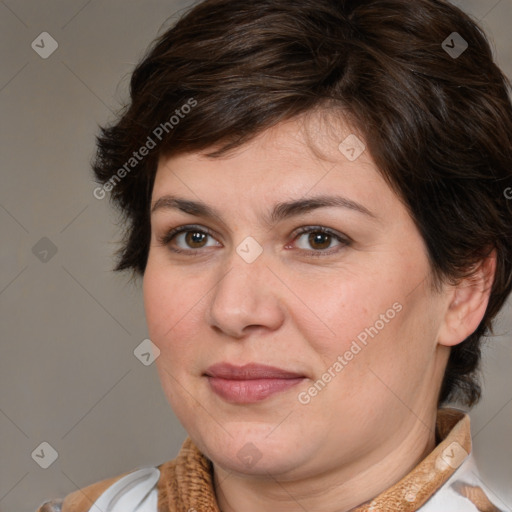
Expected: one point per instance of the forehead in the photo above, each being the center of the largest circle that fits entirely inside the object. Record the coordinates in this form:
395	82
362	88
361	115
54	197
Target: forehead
296	159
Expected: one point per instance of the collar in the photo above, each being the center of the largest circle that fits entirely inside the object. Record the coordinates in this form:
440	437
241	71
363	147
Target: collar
418	486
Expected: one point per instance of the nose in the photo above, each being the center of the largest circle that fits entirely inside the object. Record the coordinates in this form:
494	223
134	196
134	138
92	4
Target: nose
245	299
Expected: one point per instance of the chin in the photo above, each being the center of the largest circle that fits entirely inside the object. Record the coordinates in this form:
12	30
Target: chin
252	451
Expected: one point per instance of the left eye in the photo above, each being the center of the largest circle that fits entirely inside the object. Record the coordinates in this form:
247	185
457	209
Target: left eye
319	239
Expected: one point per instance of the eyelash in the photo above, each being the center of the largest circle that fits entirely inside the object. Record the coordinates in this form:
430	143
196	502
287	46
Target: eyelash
345	241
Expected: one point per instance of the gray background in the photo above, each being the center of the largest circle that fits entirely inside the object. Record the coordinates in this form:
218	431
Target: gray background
68	374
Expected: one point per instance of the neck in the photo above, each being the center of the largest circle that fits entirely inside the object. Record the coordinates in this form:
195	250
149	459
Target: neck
339	490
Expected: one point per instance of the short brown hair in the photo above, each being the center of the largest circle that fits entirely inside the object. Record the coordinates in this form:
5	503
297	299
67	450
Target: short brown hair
437	124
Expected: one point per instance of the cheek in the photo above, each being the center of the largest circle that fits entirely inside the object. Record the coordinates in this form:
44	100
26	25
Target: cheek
173	303
352	307
371	322
158	302
164	302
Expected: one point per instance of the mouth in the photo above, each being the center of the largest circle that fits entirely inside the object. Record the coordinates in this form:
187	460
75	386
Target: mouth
249	383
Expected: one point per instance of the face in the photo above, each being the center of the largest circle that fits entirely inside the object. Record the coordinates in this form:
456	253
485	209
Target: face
305	261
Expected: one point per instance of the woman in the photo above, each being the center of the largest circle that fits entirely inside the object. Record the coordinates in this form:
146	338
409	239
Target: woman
314	196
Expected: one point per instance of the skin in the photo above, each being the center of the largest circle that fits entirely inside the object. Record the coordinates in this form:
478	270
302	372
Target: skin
374	421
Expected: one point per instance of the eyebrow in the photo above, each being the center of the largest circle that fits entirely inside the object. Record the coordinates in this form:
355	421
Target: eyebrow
280	211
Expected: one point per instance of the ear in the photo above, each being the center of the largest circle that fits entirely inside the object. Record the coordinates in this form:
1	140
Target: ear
467	303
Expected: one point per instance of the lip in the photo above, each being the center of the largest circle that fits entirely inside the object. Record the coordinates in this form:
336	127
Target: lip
249	371
249	383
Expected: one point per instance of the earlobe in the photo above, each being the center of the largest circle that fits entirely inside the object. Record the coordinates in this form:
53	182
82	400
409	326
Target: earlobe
468	303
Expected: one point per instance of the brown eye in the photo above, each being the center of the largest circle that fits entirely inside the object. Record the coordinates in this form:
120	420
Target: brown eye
195	239
188	239
319	240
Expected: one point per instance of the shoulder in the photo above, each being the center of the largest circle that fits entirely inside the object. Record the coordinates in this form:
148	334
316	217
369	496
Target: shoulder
464	491
135	491
148	489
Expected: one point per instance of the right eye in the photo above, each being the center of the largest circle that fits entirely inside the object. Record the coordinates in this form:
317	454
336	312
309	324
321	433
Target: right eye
189	239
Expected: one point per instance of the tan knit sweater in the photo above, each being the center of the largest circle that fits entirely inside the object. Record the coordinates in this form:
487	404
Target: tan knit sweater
186	483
